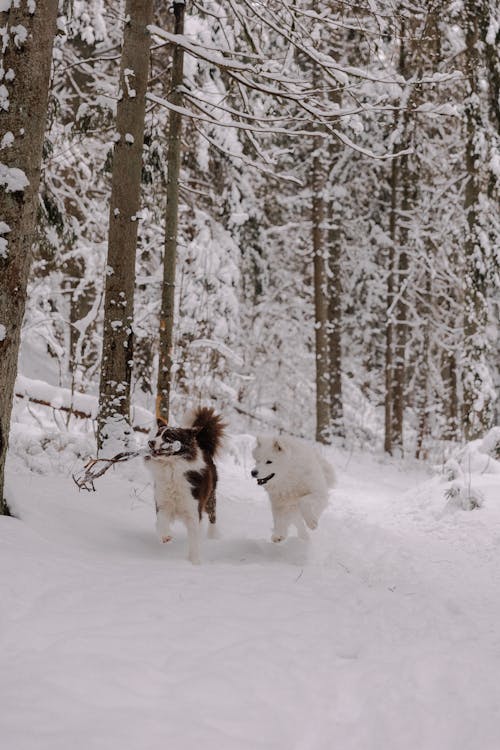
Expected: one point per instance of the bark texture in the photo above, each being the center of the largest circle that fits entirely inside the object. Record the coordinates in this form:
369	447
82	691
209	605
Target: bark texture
477	388
174	151
389	326
415	37
335	237
117	351
320	297
26	64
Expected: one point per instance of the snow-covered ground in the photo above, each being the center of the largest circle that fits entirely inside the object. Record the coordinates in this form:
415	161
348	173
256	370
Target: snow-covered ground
382	632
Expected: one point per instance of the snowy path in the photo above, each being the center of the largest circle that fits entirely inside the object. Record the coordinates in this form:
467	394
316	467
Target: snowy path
382	633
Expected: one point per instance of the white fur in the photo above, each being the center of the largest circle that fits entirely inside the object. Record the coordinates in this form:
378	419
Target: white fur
174	500
299	490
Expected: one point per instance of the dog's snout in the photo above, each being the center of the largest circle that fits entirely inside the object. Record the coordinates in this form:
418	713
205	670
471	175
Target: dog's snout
254	472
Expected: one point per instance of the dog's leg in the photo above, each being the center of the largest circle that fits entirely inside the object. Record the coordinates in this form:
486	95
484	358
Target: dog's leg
165	513
311	507
210	508
193	531
163	520
281	523
308	513
299	524
212	531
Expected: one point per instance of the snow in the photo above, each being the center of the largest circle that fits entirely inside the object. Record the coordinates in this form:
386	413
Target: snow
56	396
382	632
4	229
20	34
4	98
12	178
127	74
198	50
7	140
3	330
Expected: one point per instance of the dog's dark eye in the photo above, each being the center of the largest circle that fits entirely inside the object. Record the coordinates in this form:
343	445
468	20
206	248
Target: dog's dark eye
268	462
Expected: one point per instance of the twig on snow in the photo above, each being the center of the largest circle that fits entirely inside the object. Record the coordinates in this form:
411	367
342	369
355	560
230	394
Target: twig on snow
84	479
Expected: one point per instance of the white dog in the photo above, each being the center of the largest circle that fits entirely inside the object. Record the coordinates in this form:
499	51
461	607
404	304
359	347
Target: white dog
296	478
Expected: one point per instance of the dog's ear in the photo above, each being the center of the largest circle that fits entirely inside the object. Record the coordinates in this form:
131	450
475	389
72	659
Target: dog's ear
160	422
277	445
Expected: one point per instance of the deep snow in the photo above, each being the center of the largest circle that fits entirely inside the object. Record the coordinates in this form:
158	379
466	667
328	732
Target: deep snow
382	632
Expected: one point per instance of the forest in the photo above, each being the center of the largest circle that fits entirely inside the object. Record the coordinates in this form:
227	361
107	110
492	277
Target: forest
287	210
292	208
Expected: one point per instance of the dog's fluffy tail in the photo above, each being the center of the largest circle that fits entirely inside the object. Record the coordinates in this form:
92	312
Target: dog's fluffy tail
211	429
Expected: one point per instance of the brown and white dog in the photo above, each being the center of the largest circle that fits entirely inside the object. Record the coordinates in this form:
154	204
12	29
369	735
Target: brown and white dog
181	460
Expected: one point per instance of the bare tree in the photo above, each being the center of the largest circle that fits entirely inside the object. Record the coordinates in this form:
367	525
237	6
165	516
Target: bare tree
477	387
416	31
117	350
29	31
335	326
389	323
164	384
335	239
320	295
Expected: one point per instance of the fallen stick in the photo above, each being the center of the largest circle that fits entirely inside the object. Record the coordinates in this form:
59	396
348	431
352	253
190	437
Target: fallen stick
84	479
70	410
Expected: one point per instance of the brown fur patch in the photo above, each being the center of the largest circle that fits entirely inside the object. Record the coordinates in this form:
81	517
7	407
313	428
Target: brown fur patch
203	485
206	433
210	430
185	436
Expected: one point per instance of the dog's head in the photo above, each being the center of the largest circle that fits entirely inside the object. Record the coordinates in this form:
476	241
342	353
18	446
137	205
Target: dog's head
268	454
172	441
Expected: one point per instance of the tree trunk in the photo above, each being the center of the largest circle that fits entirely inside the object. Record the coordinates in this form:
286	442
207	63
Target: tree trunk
336	419
320	296
477	401
389	325
423	379
400	328
26	61
404	181
451	429
164	384
490	12
117	350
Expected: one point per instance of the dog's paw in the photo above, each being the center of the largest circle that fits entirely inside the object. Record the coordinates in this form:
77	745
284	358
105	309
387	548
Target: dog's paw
166	539
277	538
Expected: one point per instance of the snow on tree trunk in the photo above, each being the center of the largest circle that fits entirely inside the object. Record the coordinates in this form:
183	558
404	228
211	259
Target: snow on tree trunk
478	392
117	351
404	191
389	323
423	366
171	219
28	31
320	296
401	309
335	321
